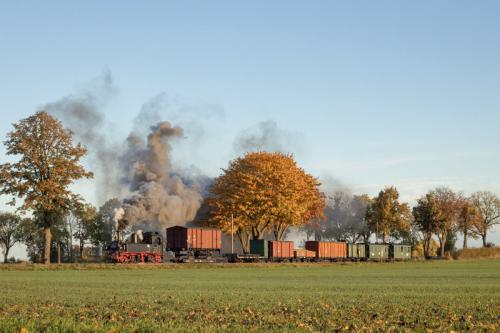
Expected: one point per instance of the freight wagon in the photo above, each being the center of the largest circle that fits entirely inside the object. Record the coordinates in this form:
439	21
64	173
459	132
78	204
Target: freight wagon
140	247
194	244
281	250
267	250
303	255
328	251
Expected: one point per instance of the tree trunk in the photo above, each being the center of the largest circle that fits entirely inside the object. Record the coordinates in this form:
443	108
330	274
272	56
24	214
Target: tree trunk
443	244
244	241
70	241
256	233
48	239
427	245
81	248
483	236
279	231
465	239
58	252
6	258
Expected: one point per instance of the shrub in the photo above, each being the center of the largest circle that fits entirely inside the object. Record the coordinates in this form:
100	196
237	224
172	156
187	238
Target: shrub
479	253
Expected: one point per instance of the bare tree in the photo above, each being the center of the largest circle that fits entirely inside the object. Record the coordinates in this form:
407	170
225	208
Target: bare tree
10	232
488	205
346	217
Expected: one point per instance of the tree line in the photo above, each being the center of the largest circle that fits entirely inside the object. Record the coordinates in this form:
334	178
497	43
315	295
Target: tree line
440	214
260	194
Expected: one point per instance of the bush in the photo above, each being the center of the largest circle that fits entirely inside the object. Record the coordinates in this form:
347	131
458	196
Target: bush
479	253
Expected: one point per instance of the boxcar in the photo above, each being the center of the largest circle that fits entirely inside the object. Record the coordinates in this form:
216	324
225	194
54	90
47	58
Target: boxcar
356	251
193	243
328	250
303	255
400	252
259	247
377	251
281	250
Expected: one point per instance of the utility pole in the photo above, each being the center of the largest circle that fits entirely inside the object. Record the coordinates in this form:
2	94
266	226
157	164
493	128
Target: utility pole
232	234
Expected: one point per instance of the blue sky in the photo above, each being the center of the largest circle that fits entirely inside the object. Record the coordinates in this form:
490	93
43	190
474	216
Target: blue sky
370	93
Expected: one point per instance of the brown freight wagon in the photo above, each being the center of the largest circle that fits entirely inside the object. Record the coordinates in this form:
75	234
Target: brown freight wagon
328	250
303	254
195	243
279	250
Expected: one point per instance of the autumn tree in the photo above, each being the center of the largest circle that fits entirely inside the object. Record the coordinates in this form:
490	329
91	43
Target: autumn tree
10	232
264	192
425	219
386	216
467	221
85	217
488	205
448	205
48	164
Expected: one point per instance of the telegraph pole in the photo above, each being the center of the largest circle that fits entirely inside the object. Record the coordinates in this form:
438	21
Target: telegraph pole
232	234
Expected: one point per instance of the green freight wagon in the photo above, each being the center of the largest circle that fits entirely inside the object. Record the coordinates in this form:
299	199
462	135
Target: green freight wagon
356	251
259	247
377	251
400	252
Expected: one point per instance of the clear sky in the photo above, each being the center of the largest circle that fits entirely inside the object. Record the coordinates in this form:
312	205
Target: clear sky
368	93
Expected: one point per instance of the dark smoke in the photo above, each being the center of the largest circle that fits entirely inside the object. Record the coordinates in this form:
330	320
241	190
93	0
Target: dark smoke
160	197
138	169
82	113
266	136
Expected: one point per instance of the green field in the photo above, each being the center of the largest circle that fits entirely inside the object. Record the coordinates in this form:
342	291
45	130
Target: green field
437	296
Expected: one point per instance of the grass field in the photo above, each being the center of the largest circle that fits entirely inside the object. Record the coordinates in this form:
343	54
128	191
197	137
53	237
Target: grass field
438	296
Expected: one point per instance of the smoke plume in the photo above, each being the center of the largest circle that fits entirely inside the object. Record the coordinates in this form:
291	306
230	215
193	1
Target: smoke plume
82	113
160	198
266	136
139	170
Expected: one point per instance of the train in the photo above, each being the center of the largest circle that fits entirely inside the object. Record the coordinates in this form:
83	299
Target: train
140	247
192	244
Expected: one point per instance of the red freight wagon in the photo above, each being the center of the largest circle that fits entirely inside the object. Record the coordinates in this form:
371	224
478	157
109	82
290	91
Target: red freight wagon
281	249
182	238
303	254
328	250
193	243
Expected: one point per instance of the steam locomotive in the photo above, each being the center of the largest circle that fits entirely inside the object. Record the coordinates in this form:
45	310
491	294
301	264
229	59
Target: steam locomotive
140	247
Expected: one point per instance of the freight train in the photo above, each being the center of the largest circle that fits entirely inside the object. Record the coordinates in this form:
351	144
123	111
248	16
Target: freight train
186	244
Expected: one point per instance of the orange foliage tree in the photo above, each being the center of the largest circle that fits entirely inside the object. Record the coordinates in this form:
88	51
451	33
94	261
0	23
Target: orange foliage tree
265	192
48	164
